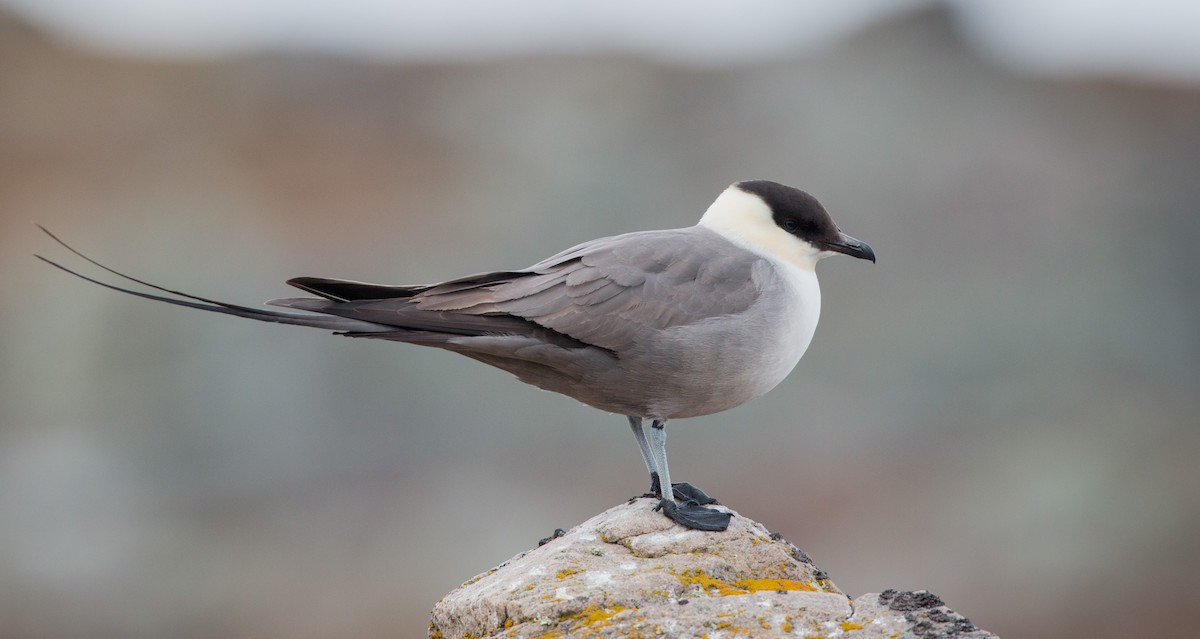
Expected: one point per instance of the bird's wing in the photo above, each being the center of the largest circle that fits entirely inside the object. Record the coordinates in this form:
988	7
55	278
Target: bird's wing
607	292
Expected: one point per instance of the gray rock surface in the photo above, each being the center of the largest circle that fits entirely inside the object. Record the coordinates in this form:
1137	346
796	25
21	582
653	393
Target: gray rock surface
630	572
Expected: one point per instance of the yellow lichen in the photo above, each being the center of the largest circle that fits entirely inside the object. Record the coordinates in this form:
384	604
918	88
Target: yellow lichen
697	577
848	626
596	614
731	627
478	577
754	585
567	572
665	594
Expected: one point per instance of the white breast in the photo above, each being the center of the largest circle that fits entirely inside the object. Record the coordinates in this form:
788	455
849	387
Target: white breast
797	324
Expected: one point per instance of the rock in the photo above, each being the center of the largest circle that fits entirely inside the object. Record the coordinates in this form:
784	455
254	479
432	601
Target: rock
630	572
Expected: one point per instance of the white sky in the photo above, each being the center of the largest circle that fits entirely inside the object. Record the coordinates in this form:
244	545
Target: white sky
1159	38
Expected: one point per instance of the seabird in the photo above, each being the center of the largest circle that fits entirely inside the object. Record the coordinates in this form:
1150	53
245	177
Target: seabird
653	325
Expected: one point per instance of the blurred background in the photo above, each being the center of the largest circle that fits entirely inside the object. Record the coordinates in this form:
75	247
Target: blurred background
1003	410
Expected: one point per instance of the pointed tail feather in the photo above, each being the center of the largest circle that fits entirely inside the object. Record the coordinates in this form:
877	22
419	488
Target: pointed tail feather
214	306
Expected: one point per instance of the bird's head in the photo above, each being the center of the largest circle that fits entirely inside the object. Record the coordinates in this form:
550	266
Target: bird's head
781	221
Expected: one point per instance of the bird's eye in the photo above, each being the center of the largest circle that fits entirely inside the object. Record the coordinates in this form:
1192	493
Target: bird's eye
791	224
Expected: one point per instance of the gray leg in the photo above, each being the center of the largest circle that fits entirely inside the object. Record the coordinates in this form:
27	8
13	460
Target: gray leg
690	513
658	448
682	491
635	424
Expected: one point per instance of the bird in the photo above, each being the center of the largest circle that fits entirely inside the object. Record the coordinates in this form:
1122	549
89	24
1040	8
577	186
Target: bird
652	325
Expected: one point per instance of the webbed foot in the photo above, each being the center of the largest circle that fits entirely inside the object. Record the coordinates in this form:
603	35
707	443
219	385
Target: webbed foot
683	491
687	492
692	515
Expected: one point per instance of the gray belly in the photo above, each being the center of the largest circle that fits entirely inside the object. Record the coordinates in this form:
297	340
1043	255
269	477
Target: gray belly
703	368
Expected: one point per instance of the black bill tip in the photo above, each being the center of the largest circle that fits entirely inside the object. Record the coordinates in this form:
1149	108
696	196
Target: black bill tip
849	246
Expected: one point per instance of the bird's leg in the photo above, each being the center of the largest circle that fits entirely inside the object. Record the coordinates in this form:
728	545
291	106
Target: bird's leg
689	513
683	490
658	452
635	423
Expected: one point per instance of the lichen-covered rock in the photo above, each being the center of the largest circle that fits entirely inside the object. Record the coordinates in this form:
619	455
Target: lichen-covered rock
630	572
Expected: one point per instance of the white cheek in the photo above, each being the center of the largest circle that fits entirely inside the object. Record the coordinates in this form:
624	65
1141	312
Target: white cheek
785	248
745	220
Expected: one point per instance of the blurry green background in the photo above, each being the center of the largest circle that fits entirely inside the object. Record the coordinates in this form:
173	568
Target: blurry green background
1003	410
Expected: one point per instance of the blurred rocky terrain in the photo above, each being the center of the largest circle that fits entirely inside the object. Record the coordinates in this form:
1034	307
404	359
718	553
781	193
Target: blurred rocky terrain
1002	410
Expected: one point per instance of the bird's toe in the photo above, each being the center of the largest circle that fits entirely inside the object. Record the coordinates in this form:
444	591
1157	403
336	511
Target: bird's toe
687	492
692	515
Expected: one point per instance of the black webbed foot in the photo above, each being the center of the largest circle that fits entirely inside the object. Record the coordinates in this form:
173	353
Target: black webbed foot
683	491
687	492
692	515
